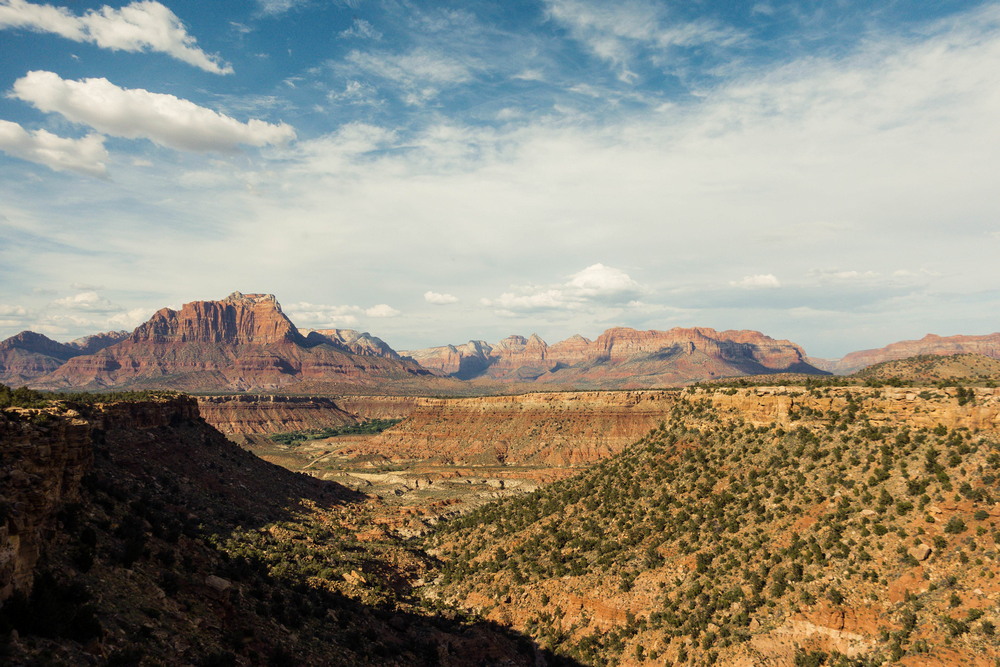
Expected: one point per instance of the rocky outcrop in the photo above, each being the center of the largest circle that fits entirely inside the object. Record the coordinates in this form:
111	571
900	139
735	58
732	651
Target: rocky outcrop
42	461
242	343
988	345
620	358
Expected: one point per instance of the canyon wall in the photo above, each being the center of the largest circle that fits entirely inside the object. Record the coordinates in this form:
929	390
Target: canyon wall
551	429
44	455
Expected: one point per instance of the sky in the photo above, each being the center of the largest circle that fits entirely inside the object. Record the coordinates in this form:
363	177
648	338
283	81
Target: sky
434	172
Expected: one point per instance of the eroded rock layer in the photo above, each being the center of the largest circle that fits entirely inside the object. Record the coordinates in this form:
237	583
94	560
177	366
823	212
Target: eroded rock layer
242	343
619	358
551	429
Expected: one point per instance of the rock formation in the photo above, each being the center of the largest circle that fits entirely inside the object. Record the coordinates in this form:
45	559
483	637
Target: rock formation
550	429
620	358
988	345
242	343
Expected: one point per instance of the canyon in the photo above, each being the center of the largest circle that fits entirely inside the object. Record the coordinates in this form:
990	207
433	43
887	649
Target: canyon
602	525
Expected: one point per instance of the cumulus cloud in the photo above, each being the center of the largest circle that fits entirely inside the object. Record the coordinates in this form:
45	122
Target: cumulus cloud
323	316
87	302
381	310
83	313
763	280
84	156
136	113
140	26
439	299
595	285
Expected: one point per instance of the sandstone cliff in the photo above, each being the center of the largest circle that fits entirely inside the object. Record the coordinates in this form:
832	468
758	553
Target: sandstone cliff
620	358
242	343
550	429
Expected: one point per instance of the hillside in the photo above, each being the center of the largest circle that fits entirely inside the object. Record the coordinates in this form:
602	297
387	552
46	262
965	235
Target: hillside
931	368
931	344
133	533
723	537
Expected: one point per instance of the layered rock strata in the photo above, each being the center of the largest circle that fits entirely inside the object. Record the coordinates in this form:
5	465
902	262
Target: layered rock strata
619	358
242	343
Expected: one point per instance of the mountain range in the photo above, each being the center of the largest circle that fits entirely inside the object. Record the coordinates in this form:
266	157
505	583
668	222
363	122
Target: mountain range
245	342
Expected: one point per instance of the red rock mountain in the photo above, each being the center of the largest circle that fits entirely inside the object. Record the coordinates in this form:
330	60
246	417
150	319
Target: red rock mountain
30	355
242	343
988	345
619	358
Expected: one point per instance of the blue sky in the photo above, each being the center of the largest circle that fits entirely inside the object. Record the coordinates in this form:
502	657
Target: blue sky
435	172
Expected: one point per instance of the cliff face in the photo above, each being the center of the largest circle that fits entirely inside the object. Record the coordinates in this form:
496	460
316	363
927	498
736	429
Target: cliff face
45	455
255	414
552	429
242	343
988	345
42	461
620	358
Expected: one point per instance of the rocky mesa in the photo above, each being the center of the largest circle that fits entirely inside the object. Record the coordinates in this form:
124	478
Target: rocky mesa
241	343
620	358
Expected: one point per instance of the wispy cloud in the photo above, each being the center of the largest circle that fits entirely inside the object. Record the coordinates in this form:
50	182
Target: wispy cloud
138	113
139	26
420	73
619	32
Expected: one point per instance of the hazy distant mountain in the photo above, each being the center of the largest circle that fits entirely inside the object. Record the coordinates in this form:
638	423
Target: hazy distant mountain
619	357
988	345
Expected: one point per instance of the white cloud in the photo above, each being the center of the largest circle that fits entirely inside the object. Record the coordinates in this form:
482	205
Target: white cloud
381	310
87	302
439	299
595	285
764	280
603	283
319	316
138	113
84	156
139	26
